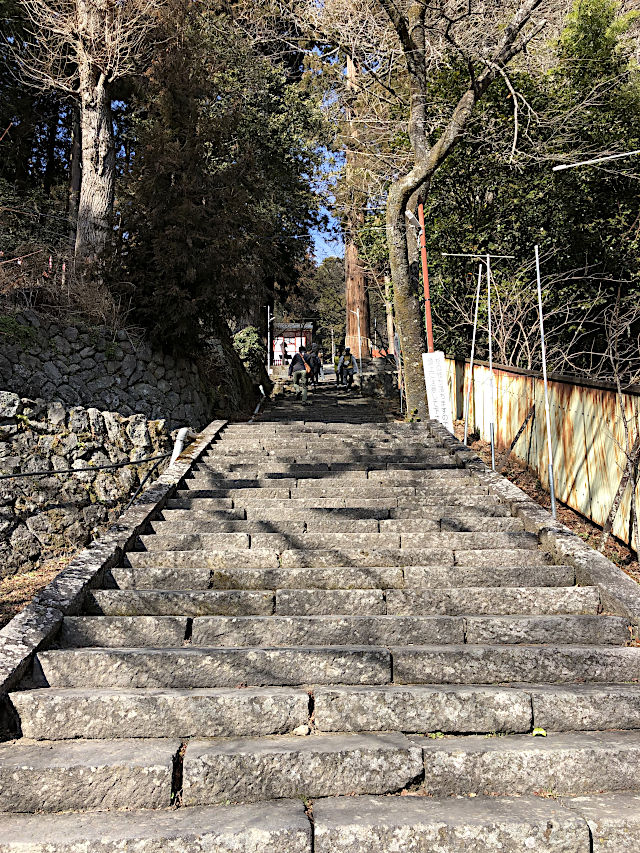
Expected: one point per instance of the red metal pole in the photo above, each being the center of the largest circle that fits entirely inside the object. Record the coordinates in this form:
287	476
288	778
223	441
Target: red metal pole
425	276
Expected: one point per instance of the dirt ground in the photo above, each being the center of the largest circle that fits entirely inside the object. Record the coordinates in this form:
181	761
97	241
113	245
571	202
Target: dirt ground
17	590
525	479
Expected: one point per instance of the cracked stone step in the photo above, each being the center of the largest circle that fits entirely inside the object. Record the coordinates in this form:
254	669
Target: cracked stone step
122	631
189	524
281	826
214	667
52	776
254	769
241	631
425	825
586	707
494	600
479	575
520	764
614	820
66	713
454	507
570	630
440	708
203	578
330	602
416	507
559	664
169	602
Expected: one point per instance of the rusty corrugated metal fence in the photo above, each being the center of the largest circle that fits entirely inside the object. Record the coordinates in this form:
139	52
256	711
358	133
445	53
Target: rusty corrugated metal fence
587	432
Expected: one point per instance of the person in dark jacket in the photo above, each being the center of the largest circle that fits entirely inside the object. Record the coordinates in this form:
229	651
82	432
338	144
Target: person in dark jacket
298	369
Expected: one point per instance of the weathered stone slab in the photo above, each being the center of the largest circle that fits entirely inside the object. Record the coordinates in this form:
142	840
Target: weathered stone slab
494	600
486	508
55	714
279	826
310	577
614	820
446	577
424	825
422	709
314	602
240	631
325	541
194	541
113	631
84	775
586	708
161	577
199	524
212	559
166	602
503	557
519	764
367	558
202	667
569	630
250	770
339	515
498	664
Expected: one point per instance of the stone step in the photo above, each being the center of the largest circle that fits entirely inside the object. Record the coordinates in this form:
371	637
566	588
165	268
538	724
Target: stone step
267	541
260	558
255	769
491	600
454	523
441	556
482	512
438	708
532	630
193	541
213	559
192	667
585	707
241	631
569	763
559	664
281	826
66	713
288	528
226	481
454	709
426	825
53	776
481	575
168	602
339	577
117	631
330	602
416	506
213	488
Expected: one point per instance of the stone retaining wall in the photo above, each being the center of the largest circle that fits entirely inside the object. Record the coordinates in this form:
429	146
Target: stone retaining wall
47	515
93	366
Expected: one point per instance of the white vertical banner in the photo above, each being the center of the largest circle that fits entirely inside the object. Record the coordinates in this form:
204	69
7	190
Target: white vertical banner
435	379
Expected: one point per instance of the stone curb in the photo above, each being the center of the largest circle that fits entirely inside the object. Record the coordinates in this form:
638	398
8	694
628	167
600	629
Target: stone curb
38	623
619	594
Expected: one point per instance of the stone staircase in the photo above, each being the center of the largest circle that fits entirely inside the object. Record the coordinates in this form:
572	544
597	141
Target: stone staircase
334	639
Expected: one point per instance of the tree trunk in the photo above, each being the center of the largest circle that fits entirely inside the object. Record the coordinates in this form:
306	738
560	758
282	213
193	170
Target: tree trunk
357	301
75	176
95	206
357	298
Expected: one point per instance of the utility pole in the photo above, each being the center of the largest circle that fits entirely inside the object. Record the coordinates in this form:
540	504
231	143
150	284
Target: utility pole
269	321
333	348
418	224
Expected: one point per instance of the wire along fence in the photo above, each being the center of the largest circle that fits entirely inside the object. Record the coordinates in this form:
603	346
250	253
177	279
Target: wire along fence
587	433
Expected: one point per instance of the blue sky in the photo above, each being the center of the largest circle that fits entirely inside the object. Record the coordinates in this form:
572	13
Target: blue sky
326	246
